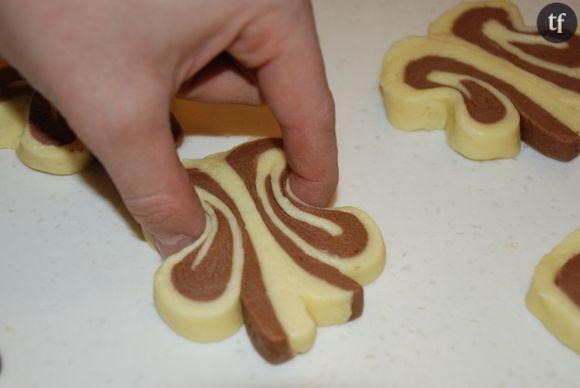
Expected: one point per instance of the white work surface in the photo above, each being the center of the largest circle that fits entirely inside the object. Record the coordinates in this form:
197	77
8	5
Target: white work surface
463	239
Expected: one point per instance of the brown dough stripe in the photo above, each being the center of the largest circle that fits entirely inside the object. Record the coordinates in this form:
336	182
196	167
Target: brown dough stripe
35	130
554	293
568	279
208	279
540	128
469	27
47	125
351	242
11	84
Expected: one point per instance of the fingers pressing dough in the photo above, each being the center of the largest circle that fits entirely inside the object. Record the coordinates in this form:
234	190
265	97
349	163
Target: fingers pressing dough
266	258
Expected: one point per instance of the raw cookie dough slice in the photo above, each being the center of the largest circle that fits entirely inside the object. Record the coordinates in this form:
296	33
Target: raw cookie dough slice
48	144
32	127
41	137
266	258
485	77
554	296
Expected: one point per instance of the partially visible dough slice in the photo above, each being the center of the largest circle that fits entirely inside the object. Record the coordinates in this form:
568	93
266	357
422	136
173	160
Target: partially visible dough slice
547	298
35	130
48	144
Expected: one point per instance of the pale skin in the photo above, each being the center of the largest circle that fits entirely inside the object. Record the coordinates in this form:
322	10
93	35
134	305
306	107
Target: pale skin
112	67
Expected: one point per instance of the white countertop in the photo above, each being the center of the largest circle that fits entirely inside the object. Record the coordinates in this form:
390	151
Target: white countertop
463	239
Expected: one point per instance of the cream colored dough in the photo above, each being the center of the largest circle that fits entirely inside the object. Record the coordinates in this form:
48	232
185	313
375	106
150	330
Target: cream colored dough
444	108
203	321
13	114
301	301
545	299
15	134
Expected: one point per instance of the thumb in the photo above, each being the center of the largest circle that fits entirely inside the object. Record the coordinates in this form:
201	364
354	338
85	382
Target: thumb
137	149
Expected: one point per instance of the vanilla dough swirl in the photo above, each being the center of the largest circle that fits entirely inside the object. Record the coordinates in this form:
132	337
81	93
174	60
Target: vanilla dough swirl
488	80
266	259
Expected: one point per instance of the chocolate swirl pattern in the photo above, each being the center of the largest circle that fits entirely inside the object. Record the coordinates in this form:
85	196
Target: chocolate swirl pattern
488	80
266	259
554	296
35	130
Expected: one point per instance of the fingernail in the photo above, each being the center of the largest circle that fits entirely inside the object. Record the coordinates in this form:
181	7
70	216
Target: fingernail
167	246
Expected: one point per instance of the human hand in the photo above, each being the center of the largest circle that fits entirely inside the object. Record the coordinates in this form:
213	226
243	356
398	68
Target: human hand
112	67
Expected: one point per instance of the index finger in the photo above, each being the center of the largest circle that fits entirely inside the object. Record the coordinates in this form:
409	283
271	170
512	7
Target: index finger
293	83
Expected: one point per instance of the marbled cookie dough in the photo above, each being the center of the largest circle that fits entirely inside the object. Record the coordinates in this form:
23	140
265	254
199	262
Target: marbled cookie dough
35	130
486	78
48	144
41	137
554	296
265	258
